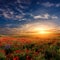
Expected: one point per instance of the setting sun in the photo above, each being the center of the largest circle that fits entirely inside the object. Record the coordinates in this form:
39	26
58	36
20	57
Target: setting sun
42	31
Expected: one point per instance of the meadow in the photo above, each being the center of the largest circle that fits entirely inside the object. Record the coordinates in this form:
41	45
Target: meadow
29	48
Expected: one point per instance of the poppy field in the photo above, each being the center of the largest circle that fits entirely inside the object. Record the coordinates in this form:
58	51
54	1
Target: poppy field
27	48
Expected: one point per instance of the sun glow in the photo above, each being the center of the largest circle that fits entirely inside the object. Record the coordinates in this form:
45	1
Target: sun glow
42	31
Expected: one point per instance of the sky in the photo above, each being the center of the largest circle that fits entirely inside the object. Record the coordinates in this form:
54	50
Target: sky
18	16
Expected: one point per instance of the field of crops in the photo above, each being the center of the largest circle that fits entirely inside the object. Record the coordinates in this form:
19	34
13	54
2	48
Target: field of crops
27	48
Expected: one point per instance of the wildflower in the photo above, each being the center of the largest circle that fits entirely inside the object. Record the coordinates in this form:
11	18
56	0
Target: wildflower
28	58
17	51
16	58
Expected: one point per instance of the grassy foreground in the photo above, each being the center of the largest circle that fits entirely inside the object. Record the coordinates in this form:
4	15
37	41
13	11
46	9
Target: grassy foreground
22	48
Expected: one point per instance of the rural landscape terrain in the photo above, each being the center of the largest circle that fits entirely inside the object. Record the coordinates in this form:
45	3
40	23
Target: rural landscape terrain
27	47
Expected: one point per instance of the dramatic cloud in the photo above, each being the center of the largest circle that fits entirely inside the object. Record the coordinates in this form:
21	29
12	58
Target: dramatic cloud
14	10
48	4
18	16
46	16
54	17
28	28
58	5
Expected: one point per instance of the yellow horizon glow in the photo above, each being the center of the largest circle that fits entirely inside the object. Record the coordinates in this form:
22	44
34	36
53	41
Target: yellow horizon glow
43	31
